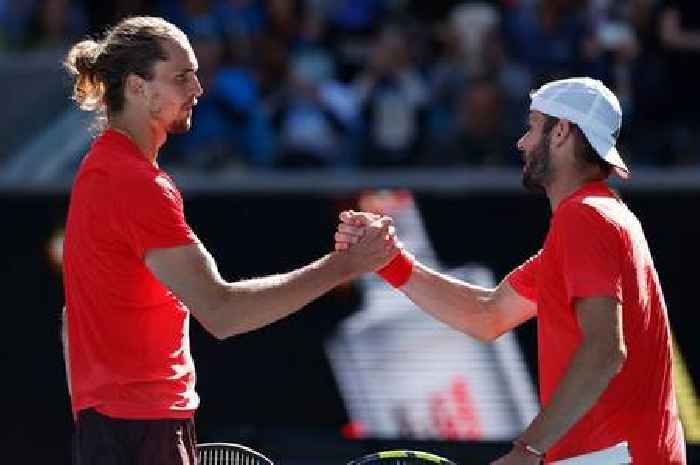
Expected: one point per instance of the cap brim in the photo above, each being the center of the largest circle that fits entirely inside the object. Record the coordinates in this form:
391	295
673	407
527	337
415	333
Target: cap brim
613	157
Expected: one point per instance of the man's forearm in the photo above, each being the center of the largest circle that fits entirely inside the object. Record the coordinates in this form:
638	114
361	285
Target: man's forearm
251	304
589	374
460	305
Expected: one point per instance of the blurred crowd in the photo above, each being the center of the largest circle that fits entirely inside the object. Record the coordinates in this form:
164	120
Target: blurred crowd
348	84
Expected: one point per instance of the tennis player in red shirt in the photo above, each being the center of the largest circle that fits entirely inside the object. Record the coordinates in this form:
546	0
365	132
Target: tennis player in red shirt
604	342
133	268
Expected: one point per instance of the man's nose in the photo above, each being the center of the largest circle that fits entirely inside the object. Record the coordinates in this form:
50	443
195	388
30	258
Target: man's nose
198	91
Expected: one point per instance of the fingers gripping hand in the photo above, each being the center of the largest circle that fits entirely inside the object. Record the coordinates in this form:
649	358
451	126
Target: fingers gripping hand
385	231
347	235
352	227
376	247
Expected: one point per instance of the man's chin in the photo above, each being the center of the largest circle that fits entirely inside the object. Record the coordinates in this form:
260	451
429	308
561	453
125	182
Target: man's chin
532	184
180	126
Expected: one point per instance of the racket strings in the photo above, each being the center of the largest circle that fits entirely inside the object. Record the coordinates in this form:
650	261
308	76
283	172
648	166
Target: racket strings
229	456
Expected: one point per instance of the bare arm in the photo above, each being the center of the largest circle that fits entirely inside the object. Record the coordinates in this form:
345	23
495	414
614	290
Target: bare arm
480	312
226	309
598	359
674	36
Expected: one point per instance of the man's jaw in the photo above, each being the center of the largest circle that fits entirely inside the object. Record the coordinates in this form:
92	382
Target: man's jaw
190	105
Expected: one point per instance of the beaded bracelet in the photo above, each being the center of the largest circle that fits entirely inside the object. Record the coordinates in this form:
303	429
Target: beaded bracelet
528	449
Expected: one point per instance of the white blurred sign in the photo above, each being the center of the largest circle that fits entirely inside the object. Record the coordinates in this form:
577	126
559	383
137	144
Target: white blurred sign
404	374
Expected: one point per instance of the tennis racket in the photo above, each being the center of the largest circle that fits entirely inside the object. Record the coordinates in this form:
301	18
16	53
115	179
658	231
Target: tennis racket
224	453
401	457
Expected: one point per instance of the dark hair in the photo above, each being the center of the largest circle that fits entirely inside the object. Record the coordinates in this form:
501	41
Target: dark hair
100	67
583	150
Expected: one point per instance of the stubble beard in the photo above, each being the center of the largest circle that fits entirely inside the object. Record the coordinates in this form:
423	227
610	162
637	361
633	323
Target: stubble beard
180	126
538	169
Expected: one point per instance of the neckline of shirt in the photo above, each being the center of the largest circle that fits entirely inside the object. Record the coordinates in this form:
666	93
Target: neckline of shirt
591	187
113	136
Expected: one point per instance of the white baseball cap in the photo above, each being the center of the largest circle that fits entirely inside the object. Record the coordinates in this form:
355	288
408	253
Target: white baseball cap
592	107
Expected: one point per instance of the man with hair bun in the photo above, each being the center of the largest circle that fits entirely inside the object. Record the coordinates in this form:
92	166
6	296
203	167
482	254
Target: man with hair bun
133	268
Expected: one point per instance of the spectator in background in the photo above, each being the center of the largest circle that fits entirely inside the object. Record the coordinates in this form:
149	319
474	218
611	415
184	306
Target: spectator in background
243	17
271	64
680	34
476	28
284	19
55	23
479	135
314	113
549	38
352	24
313	33
271	43
193	16
470	47
393	99
615	41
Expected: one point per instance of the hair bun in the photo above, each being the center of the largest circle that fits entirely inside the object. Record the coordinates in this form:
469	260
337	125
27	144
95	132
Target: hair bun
82	57
81	63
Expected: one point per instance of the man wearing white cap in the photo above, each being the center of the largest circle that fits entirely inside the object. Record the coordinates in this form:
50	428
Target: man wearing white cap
603	334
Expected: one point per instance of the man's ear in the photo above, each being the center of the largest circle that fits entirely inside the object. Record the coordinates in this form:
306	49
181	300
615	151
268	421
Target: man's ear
561	131
134	86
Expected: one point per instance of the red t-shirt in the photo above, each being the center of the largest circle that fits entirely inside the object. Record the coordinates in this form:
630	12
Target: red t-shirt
596	247
128	335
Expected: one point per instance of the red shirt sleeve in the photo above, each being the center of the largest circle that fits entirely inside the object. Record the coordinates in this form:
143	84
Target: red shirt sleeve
154	214
523	279
590	248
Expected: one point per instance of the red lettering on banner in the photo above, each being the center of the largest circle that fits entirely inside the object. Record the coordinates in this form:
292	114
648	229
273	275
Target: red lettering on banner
452	412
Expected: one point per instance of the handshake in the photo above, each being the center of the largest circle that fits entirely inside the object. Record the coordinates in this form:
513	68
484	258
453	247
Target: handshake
370	242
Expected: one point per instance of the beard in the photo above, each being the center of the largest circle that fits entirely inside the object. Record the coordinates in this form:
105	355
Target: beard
180	126
538	168
176	126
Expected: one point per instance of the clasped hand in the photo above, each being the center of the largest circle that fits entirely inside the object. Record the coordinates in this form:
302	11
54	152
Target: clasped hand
369	237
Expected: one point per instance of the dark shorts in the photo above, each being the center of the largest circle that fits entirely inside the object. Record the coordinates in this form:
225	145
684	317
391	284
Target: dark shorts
102	440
